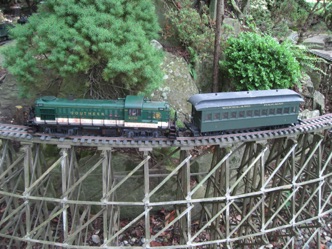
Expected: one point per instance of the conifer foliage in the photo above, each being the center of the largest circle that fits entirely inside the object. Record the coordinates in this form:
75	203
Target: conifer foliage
108	41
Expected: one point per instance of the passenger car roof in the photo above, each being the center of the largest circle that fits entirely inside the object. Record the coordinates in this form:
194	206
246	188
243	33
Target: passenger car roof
223	99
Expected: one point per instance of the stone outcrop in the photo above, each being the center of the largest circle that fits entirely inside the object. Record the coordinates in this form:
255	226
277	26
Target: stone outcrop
178	85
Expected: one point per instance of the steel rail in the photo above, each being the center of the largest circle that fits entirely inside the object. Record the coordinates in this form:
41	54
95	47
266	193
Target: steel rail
20	133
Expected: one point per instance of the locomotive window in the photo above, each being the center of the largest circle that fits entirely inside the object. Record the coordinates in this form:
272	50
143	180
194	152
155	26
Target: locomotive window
134	112
216	116
233	114
241	114
264	112
249	113
257	113
272	111
225	115
47	111
286	110
279	110
156	115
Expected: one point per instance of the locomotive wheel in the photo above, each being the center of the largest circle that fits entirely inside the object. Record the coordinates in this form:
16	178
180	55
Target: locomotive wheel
155	134
71	132
130	134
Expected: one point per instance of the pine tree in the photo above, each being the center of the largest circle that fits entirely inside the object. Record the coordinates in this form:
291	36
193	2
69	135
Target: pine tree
107	41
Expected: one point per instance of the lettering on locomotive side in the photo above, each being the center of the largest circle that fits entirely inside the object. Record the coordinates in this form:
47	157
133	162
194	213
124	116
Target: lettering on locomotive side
87	113
236	106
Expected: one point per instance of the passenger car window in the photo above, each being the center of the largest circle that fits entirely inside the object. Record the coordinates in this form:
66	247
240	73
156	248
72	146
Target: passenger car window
257	113
225	115
249	113
241	114
233	114
272	111
208	117
216	116
293	109
279	110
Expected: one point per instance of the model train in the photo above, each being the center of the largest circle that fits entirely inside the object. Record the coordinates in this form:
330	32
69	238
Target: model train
135	116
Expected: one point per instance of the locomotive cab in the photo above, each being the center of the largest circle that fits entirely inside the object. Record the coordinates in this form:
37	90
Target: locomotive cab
143	116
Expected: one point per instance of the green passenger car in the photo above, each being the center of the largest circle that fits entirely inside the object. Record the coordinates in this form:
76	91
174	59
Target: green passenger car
131	116
214	113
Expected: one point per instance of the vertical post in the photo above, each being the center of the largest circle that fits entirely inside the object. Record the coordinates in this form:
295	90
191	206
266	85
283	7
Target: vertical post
186	181
27	168
107	176
184	192
64	175
294	189
263	192
319	185
146	196
228	200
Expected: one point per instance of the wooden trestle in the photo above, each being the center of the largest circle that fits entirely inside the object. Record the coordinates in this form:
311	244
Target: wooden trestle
278	195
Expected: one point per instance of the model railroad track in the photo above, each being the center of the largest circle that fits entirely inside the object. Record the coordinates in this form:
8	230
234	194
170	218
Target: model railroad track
20	133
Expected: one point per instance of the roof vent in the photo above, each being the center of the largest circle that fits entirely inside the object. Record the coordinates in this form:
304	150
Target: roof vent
48	98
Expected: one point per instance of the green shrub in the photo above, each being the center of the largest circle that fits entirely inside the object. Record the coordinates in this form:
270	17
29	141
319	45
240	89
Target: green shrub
253	62
106	41
193	29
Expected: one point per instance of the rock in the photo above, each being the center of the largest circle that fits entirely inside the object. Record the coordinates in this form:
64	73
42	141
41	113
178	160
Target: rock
156	44
234	24
316	41
95	238
204	73
308	88
306	114
293	36
329	245
319	102
328	43
178	85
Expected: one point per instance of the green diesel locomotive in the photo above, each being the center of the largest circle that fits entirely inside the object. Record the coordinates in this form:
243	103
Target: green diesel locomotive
133	116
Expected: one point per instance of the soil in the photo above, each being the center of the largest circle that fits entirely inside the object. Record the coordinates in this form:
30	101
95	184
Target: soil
12	107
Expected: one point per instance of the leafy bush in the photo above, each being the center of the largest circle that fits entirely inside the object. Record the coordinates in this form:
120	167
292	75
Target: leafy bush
277	18
260	62
193	29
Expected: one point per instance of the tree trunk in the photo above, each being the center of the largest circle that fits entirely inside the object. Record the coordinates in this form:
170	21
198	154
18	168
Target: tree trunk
220	19
307	23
